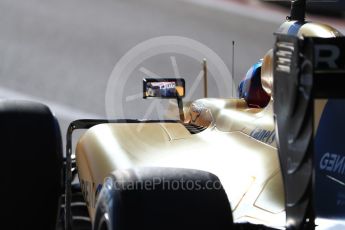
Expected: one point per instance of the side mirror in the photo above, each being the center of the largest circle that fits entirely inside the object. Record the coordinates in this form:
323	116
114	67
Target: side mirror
163	88
167	88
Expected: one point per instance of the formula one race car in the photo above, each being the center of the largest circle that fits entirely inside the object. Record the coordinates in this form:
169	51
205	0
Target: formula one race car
272	159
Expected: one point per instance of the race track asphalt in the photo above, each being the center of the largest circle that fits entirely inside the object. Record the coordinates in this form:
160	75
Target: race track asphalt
63	52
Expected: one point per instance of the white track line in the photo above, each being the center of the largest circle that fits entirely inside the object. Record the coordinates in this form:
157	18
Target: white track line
61	111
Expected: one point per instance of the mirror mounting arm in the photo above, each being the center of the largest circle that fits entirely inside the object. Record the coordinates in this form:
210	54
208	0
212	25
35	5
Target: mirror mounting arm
180	108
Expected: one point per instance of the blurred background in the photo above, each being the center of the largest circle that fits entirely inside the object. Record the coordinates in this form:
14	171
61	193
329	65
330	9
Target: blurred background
62	52
331	8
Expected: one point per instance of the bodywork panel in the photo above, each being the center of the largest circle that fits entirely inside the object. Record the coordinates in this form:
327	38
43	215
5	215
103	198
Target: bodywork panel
247	165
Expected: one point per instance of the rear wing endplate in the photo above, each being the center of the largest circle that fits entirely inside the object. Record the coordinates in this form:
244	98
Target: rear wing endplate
309	110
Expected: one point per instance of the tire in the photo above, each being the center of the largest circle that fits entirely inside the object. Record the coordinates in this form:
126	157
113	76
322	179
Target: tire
31	154
160	206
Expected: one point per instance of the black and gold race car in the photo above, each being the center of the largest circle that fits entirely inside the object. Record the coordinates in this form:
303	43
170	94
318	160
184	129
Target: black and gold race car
272	159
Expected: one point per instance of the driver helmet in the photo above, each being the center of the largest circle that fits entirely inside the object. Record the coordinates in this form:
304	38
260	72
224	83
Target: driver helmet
251	90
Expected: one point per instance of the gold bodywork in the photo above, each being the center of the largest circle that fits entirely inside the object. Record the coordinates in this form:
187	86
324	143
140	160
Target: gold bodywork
238	146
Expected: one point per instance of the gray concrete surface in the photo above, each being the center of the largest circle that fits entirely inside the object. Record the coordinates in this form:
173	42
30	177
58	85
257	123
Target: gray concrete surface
63	52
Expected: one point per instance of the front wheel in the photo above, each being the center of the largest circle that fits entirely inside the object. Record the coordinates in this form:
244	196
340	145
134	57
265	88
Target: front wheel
162	198
31	156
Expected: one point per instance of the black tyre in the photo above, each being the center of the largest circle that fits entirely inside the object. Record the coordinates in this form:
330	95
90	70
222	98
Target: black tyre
162	198
31	154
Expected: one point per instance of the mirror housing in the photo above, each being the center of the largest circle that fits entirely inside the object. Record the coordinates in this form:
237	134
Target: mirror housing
166	88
